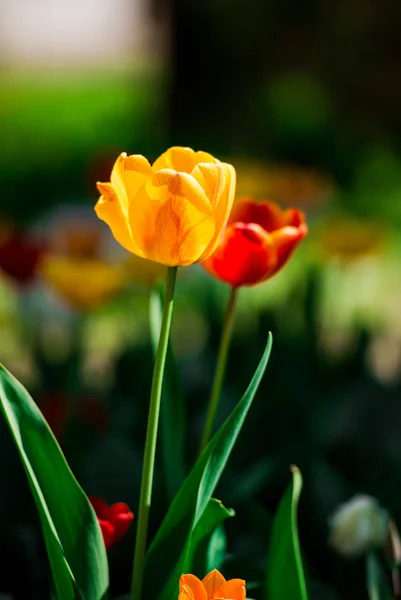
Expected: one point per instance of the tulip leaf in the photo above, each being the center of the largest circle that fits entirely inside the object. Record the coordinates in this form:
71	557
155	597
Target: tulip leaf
71	531
216	550
285	576
172	405
200	555
168	552
376	581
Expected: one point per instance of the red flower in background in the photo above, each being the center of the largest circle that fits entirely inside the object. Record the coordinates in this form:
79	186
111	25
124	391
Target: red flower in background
20	254
55	407
259	240
114	520
59	408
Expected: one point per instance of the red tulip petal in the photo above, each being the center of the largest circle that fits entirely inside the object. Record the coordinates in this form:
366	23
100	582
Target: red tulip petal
108	533
286	241
114	521
266	214
20	256
246	256
296	218
100	507
119	508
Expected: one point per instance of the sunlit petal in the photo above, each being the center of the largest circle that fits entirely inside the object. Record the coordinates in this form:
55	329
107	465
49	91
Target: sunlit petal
110	210
171	219
212	582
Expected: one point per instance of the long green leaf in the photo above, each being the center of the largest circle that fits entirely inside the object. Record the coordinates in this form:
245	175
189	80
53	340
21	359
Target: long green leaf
216	550
172	406
73	538
377	584
198	556
285	576
168	551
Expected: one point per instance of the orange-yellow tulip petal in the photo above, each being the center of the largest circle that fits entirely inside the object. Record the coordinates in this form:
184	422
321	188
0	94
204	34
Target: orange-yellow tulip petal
109	209
212	178
234	589
222	198
171	219
212	582
186	593
127	176
181	159
180	184
191	588
212	587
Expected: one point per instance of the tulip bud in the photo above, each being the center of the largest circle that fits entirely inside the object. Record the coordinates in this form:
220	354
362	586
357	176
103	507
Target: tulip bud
358	526
114	520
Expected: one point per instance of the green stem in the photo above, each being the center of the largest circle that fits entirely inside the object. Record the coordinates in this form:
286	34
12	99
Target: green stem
372	576
220	369
151	437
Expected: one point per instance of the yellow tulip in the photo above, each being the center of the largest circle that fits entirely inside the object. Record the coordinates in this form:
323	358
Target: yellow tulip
350	239
172	212
86	284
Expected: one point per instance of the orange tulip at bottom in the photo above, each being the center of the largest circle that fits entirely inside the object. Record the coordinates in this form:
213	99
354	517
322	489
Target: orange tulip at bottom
213	587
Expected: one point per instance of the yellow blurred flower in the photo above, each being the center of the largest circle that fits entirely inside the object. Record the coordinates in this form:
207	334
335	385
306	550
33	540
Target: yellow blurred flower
285	184
347	238
172	212
85	283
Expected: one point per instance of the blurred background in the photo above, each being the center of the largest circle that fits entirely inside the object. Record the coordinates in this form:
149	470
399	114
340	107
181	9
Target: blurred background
304	99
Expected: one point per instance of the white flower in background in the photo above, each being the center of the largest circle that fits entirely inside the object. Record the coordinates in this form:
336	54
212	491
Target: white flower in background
358	526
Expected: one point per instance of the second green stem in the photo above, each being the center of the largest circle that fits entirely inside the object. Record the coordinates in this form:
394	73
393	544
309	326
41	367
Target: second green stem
220	369
151	437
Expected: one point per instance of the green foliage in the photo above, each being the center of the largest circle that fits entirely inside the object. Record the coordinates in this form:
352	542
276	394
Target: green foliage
73	538
216	550
376	581
285	577
204	547
169	551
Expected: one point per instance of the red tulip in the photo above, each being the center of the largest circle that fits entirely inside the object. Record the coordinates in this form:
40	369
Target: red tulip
58	408
114	520
19	255
259	240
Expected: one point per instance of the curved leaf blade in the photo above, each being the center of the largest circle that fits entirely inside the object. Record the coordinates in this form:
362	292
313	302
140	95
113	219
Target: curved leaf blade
285	576
199	556
377	585
73	538
168	551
